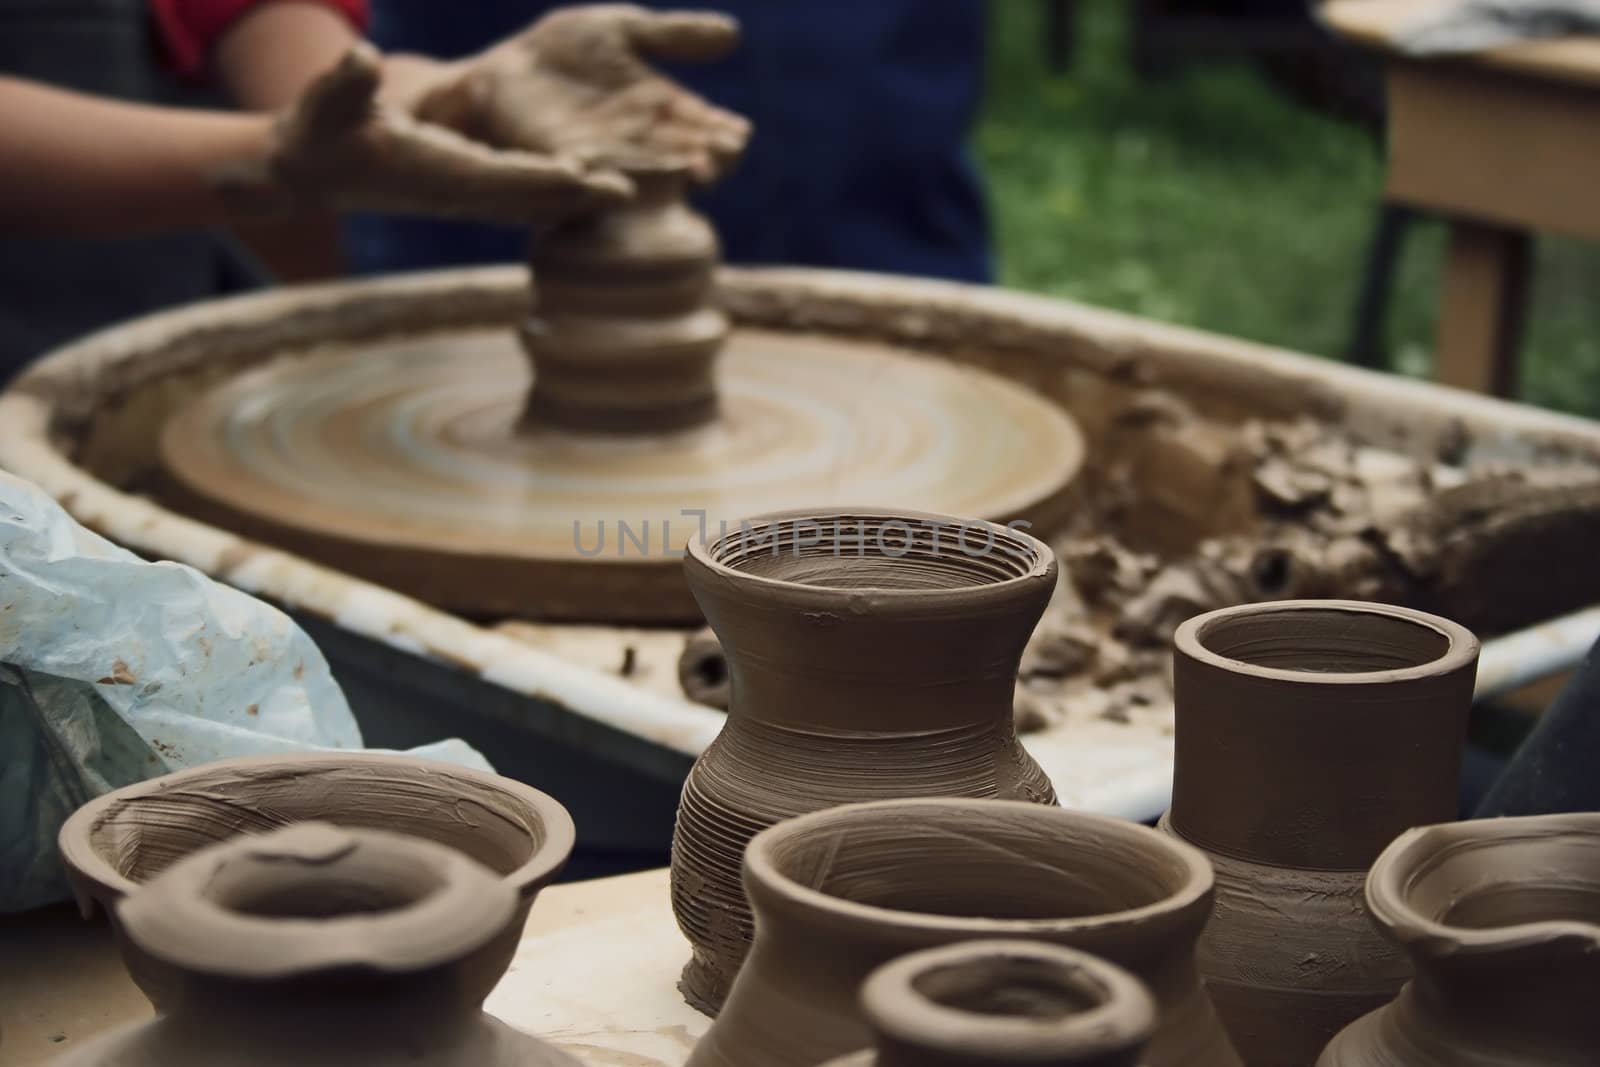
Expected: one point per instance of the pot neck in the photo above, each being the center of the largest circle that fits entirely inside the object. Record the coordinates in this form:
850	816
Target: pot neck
1541	1011
872	664
417	1012
1007	1004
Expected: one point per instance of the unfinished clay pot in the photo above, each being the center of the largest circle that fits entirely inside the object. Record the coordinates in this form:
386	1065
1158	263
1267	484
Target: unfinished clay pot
870	656
625	335
1309	734
838	893
320	946
126	837
1004	1004
1501	918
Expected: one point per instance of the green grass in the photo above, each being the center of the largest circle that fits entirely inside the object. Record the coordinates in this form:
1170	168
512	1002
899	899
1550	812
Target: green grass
1213	200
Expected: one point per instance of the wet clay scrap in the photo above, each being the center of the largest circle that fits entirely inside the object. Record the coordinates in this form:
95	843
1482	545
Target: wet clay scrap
1004	1004
871	656
839	893
123	839
1501	918
320	946
1309	734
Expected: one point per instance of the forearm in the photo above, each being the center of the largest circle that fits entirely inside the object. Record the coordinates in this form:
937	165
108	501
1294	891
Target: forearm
72	164
269	57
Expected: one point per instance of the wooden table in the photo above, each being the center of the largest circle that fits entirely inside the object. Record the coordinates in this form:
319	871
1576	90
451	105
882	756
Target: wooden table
1504	143
596	973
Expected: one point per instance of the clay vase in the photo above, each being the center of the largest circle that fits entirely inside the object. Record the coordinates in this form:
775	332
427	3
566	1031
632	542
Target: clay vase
839	893
128	836
1501	919
320	946
870	656
1309	734
1004	1004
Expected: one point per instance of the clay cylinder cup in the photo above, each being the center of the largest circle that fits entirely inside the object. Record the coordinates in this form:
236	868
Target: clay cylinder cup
1312	731
126	837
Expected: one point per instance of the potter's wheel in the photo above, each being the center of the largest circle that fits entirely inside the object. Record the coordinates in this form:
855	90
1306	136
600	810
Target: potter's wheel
399	460
495	473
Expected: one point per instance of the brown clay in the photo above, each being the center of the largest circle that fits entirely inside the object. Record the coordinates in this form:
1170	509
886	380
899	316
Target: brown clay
1309	733
407	462
625	337
838	893
1004	1004
123	839
862	667
320	946
1501	919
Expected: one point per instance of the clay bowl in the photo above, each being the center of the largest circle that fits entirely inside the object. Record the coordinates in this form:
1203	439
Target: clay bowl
126	837
1501	918
838	893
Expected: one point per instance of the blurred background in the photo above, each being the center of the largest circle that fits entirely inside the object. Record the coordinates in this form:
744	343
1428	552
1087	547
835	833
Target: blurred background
1224	173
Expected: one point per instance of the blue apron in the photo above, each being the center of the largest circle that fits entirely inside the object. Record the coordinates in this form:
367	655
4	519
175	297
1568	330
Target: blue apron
861	110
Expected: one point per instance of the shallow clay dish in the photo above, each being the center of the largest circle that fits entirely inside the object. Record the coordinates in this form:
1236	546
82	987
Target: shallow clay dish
1004	1004
839	893
1501	918
126	837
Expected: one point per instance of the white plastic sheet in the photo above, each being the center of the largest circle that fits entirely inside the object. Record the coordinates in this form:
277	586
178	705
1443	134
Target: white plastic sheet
113	670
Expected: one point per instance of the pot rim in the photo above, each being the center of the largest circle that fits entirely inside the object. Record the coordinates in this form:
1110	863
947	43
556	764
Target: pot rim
763	878
87	865
707	570
179	918
1461	647
1417	851
1121	1015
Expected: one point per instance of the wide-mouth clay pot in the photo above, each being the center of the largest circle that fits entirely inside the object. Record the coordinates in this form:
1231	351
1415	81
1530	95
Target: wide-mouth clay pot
870	656
319	945
128	836
1309	734
1004	1004
1501	918
839	893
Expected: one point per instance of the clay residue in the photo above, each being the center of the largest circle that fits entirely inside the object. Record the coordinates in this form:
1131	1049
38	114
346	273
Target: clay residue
1183	513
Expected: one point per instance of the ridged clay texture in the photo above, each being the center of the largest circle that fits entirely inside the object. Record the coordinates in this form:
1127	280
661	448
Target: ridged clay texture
871	656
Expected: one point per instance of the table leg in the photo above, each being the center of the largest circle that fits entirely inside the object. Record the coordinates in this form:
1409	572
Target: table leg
1482	307
1367	348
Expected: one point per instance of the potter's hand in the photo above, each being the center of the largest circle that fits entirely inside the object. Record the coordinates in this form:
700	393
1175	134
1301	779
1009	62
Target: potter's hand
346	146
576	84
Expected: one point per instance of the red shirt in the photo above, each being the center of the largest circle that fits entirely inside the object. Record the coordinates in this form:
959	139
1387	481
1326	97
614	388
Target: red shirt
190	27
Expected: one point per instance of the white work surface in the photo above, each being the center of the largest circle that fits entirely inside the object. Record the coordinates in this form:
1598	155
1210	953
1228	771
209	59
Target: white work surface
596	974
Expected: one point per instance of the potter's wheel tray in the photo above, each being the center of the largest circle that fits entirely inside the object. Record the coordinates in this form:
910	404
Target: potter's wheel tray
405	461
